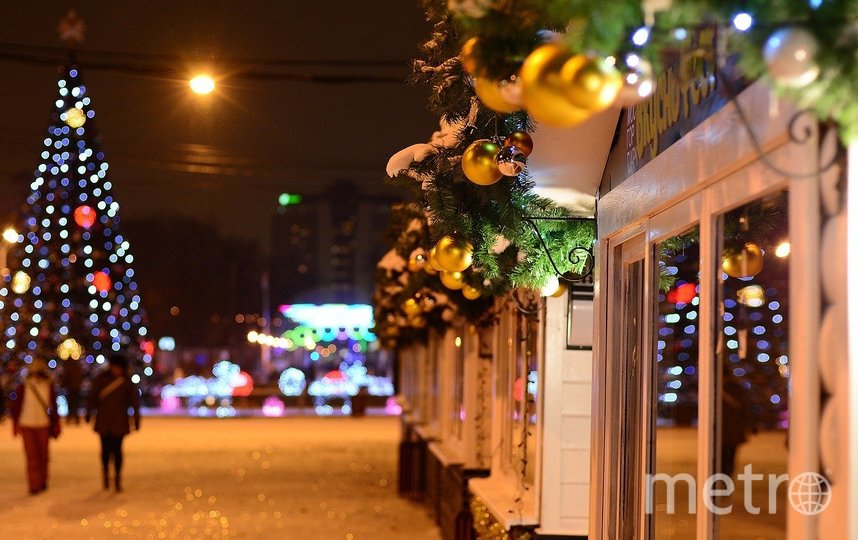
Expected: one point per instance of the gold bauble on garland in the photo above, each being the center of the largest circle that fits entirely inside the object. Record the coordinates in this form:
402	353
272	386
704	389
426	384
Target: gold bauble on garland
478	162
416	263
521	140
433	261
453	280
545	91
561	290
592	84
492	95
454	254
471	293
468	57
745	262
411	307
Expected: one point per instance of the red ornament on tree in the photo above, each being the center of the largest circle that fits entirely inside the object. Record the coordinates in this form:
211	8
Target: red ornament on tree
85	216
101	281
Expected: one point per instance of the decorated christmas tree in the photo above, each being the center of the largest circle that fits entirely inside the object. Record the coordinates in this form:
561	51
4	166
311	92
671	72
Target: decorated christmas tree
70	293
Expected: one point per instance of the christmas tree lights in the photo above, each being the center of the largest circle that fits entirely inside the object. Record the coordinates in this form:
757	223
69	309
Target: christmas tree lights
70	293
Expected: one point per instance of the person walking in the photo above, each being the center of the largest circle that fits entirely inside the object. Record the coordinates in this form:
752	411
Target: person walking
111	396
34	417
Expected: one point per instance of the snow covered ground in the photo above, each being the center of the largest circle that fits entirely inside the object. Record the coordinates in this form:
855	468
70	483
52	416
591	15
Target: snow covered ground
287	478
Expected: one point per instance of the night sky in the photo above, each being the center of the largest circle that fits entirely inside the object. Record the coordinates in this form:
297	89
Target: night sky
254	138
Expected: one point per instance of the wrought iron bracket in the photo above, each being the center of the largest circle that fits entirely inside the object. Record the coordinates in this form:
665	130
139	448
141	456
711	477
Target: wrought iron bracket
577	256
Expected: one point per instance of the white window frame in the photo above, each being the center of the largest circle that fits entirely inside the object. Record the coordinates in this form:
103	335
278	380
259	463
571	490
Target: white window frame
716	168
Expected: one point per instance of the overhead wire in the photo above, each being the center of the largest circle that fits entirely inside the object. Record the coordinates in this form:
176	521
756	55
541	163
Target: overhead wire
247	68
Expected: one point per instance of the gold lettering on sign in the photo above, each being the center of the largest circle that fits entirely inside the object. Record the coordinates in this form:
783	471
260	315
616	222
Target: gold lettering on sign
675	94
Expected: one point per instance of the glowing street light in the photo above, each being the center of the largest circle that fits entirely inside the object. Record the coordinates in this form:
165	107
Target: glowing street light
202	84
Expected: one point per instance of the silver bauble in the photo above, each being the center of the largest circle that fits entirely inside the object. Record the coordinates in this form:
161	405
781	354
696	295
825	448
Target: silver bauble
511	161
790	55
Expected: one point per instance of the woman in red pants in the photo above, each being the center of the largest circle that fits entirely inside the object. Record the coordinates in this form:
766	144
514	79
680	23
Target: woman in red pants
34	417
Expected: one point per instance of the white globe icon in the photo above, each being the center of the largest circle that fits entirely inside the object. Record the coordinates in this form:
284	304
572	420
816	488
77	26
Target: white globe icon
809	493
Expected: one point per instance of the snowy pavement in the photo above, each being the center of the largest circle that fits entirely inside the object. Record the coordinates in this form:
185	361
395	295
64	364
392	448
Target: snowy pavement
289	478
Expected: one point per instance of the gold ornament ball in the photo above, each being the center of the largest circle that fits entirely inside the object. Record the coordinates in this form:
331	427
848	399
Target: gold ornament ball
471	293
521	140
427	303
411	307
561	290
545	91
75	118
478	162
468	57
453	280
492	95
433	261
593	85
746	262
453	254
416	263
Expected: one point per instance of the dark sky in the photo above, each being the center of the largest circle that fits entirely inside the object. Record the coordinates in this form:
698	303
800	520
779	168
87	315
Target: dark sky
263	137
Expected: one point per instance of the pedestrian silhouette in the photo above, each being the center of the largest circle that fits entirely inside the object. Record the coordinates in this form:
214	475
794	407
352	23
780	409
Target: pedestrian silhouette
110	398
34	417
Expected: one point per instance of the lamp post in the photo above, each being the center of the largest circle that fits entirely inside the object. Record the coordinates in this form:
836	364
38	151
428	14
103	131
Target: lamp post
10	236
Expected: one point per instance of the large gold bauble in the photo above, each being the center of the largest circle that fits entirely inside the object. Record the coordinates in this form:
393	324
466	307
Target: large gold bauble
545	90
416	263
592	84
453	254
471	293
453	280
521	140
746	262
433	261
411	307
478	162
491	94
468	57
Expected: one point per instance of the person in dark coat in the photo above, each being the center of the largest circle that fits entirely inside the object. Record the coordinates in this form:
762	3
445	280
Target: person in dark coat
34	417
110	398
71	381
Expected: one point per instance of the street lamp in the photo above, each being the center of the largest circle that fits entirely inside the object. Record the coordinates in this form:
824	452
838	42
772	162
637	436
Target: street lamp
10	236
202	84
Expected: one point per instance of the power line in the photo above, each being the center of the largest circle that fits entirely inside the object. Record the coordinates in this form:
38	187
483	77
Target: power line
165	65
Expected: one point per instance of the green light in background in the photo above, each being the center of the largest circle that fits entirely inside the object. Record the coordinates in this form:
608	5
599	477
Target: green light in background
285	199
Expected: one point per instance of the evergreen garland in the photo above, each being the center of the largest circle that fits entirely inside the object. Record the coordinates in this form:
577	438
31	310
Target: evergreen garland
408	235
508	30
507	251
